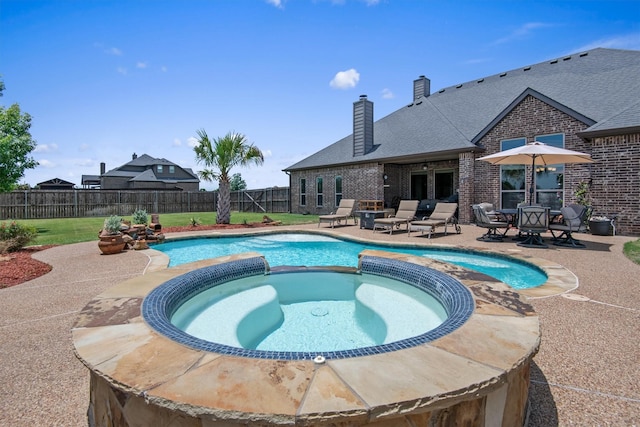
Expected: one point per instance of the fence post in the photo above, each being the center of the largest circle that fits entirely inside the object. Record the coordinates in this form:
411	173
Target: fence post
26	204
155	202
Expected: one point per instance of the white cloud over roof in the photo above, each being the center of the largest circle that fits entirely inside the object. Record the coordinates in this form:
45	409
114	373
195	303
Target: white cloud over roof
345	79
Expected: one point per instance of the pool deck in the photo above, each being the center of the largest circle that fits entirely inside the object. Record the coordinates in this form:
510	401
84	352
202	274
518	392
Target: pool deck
585	373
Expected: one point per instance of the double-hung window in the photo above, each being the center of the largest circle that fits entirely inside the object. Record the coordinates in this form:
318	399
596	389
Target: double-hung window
319	192
303	192
550	178
338	189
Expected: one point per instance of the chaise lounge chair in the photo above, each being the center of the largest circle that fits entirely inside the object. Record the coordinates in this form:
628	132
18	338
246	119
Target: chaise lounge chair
344	211
443	215
484	220
406	212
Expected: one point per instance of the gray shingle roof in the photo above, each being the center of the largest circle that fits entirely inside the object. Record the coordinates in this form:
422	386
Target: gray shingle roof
600	85
132	169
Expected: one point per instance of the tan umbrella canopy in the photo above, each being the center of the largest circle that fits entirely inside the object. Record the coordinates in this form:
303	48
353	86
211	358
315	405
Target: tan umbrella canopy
535	154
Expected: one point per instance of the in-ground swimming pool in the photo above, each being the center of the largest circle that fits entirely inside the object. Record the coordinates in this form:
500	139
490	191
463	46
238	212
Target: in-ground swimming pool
318	250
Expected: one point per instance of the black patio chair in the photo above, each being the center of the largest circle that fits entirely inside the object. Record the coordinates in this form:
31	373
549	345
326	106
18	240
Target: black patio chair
492	226
574	220
532	221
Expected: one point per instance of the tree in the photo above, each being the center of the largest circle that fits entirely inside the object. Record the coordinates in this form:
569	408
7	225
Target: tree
219	157
15	145
237	183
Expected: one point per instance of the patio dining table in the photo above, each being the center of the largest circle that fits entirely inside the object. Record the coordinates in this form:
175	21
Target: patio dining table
511	215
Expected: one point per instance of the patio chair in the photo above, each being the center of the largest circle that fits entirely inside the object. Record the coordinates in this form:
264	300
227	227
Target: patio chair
444	214
343	212
485	221
532	221
574	220
405	213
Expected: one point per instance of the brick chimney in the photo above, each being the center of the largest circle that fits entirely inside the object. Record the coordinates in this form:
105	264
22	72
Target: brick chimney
362	126
421	88
134	156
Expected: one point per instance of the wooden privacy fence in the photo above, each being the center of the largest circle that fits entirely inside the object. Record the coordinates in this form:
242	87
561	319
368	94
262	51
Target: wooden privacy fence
37	204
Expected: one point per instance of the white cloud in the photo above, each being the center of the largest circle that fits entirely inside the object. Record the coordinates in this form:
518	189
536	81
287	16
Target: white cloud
122	70
192	141
46	163
387	94
277	3
113	51
522	31
267	153
163	69
627	41
177	142
345	79
45	148
84	147
372	2
84	162
141	64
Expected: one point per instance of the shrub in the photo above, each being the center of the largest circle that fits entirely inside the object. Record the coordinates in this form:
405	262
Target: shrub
140	217
14	236
194	221
112	224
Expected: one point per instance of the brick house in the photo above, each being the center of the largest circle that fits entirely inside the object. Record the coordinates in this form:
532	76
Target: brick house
145	173
588	102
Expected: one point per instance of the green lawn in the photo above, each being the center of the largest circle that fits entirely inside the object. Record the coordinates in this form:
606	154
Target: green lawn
632	251
73	230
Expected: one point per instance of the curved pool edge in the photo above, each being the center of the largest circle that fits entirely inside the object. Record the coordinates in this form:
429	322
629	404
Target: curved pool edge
560	280
137	374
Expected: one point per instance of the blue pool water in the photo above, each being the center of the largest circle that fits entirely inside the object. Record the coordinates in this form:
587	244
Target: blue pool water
317	250
283	312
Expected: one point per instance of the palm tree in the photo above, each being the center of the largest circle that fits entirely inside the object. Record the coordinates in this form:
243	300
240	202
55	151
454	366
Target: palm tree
219	157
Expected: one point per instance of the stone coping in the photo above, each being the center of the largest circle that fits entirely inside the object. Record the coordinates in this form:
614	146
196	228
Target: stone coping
559	279
502	335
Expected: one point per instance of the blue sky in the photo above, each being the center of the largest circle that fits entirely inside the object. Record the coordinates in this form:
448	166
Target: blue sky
104	79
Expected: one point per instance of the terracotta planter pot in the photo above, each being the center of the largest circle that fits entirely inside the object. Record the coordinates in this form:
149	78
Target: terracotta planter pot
111	244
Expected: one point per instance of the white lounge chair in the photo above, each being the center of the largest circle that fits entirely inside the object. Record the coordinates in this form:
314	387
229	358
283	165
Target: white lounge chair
343	212
405	213
444	214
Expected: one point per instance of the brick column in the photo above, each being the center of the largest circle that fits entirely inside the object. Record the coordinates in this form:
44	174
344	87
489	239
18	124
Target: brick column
466	164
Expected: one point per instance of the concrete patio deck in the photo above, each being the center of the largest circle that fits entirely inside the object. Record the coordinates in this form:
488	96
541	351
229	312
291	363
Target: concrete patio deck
586	372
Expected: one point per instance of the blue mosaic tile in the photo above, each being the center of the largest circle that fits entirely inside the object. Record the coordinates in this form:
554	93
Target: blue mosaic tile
163	301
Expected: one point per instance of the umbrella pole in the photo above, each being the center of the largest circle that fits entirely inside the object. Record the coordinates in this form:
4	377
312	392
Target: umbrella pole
533	175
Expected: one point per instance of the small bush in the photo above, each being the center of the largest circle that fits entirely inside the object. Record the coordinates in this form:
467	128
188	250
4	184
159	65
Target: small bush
14	236
140	217
194	221
112	224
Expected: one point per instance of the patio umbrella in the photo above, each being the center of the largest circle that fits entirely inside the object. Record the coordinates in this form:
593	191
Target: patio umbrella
535	154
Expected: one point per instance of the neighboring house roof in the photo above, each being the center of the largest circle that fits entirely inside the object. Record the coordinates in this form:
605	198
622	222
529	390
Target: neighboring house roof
141	168
90	179
595	86
55	182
